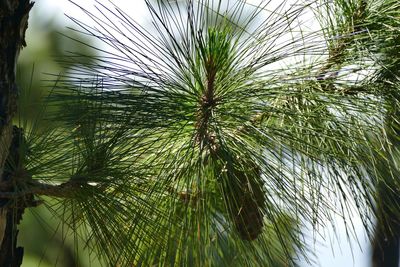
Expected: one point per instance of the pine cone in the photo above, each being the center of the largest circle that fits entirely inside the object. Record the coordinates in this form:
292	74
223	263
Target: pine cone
245	198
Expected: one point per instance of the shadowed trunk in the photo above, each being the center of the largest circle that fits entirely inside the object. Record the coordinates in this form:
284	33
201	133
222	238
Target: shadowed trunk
387	229
13	24
386	241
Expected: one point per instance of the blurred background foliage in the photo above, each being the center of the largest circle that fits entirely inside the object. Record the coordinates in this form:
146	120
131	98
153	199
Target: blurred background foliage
42	60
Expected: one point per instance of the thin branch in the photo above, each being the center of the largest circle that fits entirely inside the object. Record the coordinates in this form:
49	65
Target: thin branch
64	190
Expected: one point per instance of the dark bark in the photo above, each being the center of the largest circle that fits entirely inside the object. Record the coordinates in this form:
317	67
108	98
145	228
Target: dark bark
387	229
13	24
386	240
385	249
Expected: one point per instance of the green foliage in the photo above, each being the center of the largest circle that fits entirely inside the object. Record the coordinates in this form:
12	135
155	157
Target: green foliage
205	140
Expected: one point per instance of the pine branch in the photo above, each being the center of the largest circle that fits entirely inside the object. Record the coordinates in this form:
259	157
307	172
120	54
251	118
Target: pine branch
63	190
207	134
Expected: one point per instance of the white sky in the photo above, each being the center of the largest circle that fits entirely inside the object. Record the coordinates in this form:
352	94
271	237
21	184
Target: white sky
331	251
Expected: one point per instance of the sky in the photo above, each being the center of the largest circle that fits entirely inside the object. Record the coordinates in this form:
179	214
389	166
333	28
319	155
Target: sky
332	248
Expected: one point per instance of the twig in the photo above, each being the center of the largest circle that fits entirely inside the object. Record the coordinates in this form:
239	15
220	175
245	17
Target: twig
64	190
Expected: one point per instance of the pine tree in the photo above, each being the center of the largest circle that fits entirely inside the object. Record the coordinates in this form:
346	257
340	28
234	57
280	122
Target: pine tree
208	138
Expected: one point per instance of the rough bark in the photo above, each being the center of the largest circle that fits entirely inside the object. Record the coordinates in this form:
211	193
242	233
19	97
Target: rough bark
386	240
13	24
386	243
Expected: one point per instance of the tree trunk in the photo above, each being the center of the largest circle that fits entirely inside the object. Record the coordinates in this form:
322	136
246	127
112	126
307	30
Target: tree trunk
387	229
386	240
13	24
